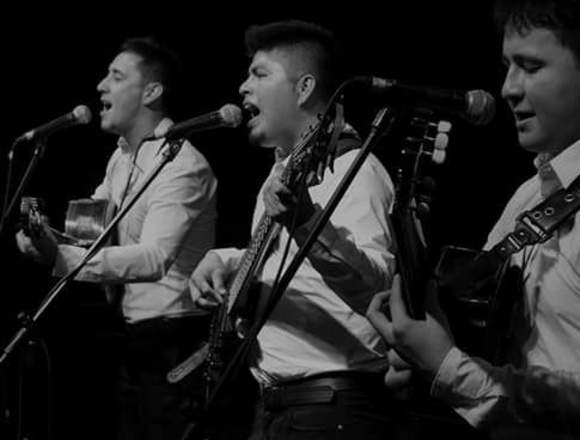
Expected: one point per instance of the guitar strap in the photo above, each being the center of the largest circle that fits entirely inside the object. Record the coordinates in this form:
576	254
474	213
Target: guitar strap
466	282
539	223
533	226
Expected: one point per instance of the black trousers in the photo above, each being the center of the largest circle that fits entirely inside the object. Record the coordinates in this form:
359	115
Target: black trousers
149	406
340	406
350	406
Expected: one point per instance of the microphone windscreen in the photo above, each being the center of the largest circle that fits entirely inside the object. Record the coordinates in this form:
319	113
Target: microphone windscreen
82	114
231	115
480	107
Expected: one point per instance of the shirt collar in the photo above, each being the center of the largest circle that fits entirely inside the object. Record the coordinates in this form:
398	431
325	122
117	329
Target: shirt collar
565	166
162	126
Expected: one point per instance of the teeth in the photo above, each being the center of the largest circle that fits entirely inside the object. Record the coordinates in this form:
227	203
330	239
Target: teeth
251	109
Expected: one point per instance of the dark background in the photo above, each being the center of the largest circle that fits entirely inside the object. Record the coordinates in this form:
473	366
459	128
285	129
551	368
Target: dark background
52	62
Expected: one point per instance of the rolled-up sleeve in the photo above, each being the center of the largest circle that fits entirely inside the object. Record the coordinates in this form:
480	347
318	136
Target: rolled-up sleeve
354	247
173	204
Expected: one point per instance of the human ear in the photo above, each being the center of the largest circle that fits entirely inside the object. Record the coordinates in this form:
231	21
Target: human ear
305	87
153	92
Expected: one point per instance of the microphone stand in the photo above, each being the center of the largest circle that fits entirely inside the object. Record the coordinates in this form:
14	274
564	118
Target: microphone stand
7	208
230	370
28	322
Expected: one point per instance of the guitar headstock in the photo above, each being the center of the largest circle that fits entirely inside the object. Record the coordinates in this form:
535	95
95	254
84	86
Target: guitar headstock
425	144
32	216
316	149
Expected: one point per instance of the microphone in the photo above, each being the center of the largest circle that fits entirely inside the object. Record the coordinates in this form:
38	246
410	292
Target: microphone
80	115
475	106
229	116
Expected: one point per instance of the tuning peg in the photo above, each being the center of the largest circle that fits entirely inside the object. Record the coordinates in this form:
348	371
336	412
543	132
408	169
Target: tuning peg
444	127
438	156
441	141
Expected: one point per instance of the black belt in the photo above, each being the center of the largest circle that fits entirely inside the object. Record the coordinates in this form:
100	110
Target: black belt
319	389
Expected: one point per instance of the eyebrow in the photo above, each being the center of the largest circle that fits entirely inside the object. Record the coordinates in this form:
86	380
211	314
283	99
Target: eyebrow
114	69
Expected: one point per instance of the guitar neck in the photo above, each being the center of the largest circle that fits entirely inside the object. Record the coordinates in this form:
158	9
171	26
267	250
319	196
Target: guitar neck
252	259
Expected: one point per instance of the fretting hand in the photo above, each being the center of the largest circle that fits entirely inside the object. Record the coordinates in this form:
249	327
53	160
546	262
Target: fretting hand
421	343
39	243
282	204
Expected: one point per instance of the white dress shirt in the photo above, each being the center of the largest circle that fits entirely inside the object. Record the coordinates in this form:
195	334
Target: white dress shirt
312	330
162	237
479	391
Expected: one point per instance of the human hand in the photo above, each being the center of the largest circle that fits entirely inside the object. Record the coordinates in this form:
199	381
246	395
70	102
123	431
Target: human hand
282	204
421	343
207	282
40	244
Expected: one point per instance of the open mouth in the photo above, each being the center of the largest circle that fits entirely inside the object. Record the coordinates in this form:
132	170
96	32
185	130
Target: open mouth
522	116
106	105
251	110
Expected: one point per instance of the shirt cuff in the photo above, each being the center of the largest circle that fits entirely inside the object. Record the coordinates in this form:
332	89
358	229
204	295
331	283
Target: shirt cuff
67	258
447	374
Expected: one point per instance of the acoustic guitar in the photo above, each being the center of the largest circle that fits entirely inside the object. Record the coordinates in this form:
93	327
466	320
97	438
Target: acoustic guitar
85	220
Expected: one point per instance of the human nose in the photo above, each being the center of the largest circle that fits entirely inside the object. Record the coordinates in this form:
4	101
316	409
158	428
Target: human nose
102	85
512	88
245	87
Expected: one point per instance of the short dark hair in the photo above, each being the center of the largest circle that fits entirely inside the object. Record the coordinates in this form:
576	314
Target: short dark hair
320	45
562	17
159	63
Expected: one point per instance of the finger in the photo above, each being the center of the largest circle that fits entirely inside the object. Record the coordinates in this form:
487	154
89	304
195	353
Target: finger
202	285
397	306
218	281
395	380
378	302
26	246
22	241
207	304
396	361
281	189
273	205
378	319
278	170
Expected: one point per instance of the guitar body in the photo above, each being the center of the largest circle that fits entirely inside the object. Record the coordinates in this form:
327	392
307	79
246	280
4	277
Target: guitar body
86	219
481	293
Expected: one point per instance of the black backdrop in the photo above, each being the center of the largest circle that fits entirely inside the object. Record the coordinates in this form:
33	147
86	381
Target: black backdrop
54	57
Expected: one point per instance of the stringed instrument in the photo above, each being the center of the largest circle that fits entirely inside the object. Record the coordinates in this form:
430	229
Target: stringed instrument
85	221
479	291
470	291
426	144
486	290
306	165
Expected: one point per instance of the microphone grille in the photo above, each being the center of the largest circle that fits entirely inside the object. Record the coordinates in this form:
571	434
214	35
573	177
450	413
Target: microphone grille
82	114
480	107
231	115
